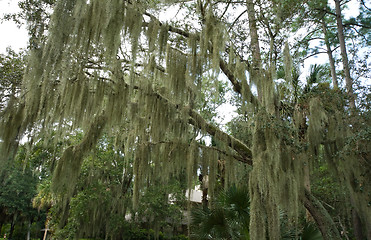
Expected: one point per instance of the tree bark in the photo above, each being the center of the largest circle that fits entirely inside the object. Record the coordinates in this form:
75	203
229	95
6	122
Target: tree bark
356	218
198	121
344	55
330	57
307	187
320	215
46	229
29	230
205	202
255	48
12	225
357	225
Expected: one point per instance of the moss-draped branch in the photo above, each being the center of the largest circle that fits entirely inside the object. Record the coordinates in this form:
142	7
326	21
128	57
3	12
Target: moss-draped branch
237	85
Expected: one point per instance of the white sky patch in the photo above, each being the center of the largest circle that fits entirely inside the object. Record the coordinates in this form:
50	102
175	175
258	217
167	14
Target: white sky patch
351	9
226	111
10	34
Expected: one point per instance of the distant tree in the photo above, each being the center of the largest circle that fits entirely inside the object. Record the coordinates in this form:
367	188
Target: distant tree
18	187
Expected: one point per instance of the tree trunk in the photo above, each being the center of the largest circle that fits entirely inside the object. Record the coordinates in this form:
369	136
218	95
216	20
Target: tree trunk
357	225
204	198
46	229
344	56
320	215
359	218
255	48
12	225
29	230
307	188
356	220
330	57
204	187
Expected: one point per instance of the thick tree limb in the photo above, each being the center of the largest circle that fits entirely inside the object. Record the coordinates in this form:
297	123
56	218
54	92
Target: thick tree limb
171	28
221	151
237	87
320	215
344	56
198	121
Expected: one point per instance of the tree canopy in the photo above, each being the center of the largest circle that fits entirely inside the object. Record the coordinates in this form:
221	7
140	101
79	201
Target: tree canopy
127	71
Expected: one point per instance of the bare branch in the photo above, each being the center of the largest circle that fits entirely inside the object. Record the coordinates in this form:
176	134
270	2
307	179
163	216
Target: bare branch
230	27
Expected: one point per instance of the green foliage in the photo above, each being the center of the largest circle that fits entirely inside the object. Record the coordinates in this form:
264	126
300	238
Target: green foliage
228	217
132	232
332	193
241	128
212	95
99	199
11	72
162	206
17	190
318	74
360	25
36	15
308	231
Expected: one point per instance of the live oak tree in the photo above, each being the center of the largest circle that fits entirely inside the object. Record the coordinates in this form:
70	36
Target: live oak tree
116	67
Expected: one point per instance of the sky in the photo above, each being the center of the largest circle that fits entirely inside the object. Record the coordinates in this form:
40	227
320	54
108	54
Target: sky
10	34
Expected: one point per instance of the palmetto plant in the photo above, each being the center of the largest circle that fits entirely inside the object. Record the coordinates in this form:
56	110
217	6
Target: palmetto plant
319	74
227	219
305	231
